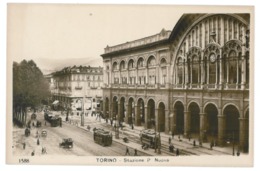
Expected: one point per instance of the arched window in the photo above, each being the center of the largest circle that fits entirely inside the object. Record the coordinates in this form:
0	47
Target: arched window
195	69
232	67
151	61
140	63
163	71
180	71
247	67
122	65
212	68
131	64
115	66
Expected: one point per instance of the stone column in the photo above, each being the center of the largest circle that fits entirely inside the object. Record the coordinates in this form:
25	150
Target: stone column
167	124
127	113
168	77
112	109
202	126
186	122
243	134
146	124
186	74
119	117
243	71
104	108
157	124
202	70
171	120
221	129
220	71
137	115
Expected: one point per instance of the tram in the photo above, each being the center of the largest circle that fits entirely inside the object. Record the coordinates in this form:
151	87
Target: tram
52	119
102	137
149	138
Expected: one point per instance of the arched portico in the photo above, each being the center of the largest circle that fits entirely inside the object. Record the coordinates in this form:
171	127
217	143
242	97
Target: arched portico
161	117
178	118
150	122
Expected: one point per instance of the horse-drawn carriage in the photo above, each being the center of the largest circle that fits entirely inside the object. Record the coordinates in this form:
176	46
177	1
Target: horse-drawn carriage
66	143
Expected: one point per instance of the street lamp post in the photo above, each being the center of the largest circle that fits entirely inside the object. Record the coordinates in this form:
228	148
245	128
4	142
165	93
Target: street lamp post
233	143
82	113
116	129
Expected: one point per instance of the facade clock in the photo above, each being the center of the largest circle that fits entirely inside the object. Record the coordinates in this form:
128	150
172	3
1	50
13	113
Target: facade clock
212	58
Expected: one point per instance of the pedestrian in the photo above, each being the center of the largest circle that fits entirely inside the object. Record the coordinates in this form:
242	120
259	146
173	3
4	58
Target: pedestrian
211	145
132	126
24	145
45	151
238	152
200	142
170	140
38	141
189	137
42	150
172	134
194	143
172	148
32	154
127	151
135	152
177	152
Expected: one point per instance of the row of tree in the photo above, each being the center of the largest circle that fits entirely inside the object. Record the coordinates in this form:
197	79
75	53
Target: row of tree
30	89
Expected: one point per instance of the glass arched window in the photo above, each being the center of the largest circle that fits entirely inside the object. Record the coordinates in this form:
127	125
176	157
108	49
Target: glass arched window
180	71
151	61
232	67
115	66
247	67
195	69
212	68
163	71
122	65
131	64
140	63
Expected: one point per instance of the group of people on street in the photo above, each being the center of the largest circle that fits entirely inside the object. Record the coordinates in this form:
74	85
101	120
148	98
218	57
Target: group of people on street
128	153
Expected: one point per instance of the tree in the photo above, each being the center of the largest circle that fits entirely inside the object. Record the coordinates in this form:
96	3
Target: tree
30	88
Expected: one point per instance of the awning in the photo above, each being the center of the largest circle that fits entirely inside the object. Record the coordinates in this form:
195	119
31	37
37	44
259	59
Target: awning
55	102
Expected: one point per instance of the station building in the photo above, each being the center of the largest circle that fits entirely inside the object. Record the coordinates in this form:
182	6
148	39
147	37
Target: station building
193	80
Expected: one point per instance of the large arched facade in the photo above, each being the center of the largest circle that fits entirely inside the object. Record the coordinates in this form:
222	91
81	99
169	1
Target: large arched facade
193	80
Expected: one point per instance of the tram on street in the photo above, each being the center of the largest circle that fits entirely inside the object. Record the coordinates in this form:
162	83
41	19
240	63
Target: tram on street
149	138
52	119
102	137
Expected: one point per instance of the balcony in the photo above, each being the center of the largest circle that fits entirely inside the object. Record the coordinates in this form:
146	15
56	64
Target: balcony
178	86
78	88
150	85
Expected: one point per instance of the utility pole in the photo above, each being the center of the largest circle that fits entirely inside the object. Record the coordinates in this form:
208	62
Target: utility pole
83	106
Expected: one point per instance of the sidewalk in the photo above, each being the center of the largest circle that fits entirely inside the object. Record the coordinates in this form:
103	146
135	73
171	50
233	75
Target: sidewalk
184	144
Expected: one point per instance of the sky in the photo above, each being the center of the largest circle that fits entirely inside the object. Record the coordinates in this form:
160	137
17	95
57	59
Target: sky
60	35
56	36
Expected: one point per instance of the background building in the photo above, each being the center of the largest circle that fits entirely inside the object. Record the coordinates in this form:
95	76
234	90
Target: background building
193	80
78	87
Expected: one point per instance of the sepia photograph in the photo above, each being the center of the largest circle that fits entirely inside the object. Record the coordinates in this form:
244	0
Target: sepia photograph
130	85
